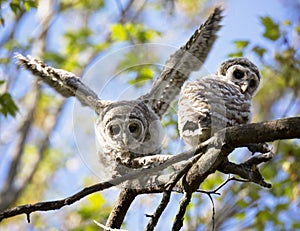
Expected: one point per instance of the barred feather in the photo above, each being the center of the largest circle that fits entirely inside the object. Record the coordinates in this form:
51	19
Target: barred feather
64	82
179	66
218	101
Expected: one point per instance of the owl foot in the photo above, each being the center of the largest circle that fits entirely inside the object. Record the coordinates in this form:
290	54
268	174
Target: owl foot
248	170
260	147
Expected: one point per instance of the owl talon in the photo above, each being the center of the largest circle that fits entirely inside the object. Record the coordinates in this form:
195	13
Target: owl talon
260	147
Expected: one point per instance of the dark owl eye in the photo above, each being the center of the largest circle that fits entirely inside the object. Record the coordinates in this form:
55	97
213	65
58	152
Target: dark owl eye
252	83
133	127
238	74
114	129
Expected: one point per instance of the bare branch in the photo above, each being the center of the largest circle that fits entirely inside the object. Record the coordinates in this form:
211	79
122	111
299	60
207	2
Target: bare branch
121	207
287	128
53	205
8	192
248	170
184	202
269	131
215	191
162	206
169	186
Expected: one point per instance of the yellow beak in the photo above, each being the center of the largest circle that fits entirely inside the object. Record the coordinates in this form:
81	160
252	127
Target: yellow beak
244	88
125	140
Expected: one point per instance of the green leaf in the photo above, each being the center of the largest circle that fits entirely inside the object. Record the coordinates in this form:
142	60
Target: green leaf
240	216
2	22
260	51
94	203
271	28
15	6
236	54
137	31
241	44
143	74
7	105
30	4
297	29
118	32
287	23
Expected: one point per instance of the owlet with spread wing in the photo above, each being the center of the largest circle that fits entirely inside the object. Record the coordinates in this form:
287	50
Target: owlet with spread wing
131	129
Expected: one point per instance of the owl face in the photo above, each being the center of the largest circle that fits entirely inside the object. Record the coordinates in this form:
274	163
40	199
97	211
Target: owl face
244	78
242	73
129	126
125	131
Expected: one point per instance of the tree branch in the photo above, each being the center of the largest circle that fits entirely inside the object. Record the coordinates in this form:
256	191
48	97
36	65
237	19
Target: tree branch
281	129
184	202
288	128
248	170
117	215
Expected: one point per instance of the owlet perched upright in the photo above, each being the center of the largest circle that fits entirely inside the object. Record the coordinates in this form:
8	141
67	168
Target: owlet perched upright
217	101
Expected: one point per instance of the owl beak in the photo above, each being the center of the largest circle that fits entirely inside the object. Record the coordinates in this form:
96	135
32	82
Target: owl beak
244	87
125	140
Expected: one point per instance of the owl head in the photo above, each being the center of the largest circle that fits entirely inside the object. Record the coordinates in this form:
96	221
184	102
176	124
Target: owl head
243	73
129	126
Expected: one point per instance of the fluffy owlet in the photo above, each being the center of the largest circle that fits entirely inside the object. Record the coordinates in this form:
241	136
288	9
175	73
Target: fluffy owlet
217	101
131	129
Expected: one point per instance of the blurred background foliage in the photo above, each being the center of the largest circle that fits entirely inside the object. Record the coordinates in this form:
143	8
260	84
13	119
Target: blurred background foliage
70	35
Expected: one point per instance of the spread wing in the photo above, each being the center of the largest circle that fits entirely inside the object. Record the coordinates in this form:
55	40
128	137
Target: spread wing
179	66
64	82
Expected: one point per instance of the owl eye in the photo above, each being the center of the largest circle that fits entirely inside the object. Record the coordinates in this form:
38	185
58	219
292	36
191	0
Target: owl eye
114	130
133	128
238	74
252	83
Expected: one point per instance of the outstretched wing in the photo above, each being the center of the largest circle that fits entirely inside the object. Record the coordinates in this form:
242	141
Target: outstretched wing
64	82
178	67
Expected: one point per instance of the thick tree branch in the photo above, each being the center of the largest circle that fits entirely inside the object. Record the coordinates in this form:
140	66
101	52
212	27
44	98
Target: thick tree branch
281	129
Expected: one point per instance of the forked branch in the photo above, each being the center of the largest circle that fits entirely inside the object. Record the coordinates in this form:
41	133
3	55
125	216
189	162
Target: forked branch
288	128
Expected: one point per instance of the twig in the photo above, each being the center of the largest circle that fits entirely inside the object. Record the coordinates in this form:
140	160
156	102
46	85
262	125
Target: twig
215	191
53	205
121	207
106	228
185	200
57	204
162	206
167	194
213	211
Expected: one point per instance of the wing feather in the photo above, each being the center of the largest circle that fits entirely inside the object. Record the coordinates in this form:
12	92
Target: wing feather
64	82
187	59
